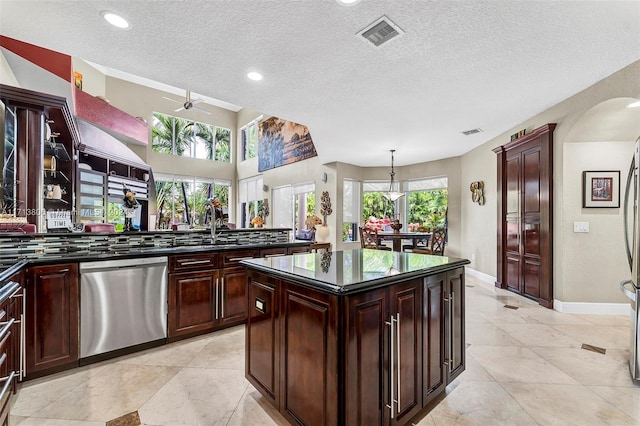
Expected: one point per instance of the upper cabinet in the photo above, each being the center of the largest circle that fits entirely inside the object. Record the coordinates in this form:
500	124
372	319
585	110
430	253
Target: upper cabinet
40	138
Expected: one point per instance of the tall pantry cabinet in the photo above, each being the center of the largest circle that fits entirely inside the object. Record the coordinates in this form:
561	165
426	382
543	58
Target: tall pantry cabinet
525	215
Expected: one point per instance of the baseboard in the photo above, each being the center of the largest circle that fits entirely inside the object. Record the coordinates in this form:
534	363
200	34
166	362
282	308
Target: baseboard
480	275
591	308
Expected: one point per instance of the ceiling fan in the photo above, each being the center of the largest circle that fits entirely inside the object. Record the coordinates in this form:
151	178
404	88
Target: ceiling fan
188	104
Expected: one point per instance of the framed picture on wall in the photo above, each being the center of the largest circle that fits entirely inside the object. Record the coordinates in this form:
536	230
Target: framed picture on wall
601	189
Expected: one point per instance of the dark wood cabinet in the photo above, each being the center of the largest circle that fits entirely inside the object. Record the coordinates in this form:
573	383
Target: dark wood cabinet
233	295
434	362
263	337
384	352
308	362
367	361
525	215
51	320
454	324
207	291
376	357
192	302
10	343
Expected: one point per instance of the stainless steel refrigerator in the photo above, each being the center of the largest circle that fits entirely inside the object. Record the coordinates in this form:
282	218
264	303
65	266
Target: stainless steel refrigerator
631	287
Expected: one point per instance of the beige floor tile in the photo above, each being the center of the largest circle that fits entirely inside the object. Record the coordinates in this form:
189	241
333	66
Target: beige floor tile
604	336
477	403
538	335
196	396
626	400
566	405
590	368
178	354
223	351
35	421
255	410
477	333
473	371
16	420
34	395
615	320
505	315
517	364
113	391
549	316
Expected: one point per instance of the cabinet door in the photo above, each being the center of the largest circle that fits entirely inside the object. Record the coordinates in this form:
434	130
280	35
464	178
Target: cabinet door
192	302
433	341
405	304
52	318
455	323
262	347
367	369
233	296
308	362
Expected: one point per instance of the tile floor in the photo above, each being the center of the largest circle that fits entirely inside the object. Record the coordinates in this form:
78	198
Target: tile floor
525	366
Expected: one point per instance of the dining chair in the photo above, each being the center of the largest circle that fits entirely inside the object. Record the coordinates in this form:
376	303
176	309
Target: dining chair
436	243
421	244
369	239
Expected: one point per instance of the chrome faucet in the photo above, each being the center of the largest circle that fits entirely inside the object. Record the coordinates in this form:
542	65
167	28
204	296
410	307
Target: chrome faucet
212	222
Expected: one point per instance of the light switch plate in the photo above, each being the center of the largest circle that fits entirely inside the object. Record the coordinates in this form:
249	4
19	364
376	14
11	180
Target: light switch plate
580	226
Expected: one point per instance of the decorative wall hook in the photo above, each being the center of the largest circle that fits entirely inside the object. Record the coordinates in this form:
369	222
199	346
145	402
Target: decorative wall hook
477	192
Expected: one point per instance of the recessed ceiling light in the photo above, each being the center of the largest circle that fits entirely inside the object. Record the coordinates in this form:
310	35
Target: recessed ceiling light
115	20
255	76
348	2
635	104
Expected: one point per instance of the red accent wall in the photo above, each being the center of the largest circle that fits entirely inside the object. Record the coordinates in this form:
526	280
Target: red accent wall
55	62
104	115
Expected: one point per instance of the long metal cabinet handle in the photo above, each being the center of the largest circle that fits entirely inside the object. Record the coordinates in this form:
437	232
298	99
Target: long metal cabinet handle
194	262
7	383
451	299
391	350
222	297
217	298
237	259
23	336
399	358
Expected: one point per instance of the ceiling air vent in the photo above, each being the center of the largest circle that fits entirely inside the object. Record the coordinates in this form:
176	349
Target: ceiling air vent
381	31
471	132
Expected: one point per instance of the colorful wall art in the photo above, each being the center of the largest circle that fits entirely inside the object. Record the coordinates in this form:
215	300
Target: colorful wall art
283	142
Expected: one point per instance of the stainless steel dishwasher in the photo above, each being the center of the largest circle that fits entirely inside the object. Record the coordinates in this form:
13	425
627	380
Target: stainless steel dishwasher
122	303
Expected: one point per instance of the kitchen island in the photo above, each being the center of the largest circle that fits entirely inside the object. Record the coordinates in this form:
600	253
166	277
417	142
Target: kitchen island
358	337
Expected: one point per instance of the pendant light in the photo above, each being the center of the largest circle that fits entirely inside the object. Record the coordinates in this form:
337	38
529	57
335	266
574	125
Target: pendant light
392	195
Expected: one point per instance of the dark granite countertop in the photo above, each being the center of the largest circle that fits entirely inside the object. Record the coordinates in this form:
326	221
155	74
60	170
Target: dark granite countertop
351	271
114	252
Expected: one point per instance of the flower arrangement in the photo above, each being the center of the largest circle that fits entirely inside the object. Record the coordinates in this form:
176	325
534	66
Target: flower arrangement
257	222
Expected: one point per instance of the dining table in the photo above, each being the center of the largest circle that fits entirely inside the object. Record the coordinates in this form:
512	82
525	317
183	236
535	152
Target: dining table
397	237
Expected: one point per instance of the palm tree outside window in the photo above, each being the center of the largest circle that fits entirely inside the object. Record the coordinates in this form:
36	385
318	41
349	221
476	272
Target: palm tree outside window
188	138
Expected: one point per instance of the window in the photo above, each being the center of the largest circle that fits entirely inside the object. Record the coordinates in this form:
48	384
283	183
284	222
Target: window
292	204
187	138
250	199
426	202
374	204
181	199
350	209
249	136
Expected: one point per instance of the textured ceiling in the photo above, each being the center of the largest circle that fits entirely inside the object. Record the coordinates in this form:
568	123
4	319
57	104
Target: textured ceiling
458	65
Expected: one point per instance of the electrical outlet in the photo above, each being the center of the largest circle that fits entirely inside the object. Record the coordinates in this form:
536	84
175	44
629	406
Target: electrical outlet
580	226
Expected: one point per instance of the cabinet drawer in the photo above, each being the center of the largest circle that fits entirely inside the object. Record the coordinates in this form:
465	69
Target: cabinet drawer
192	262
232	258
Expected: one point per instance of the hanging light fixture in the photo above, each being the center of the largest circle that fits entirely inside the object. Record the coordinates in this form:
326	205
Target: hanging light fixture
392	194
